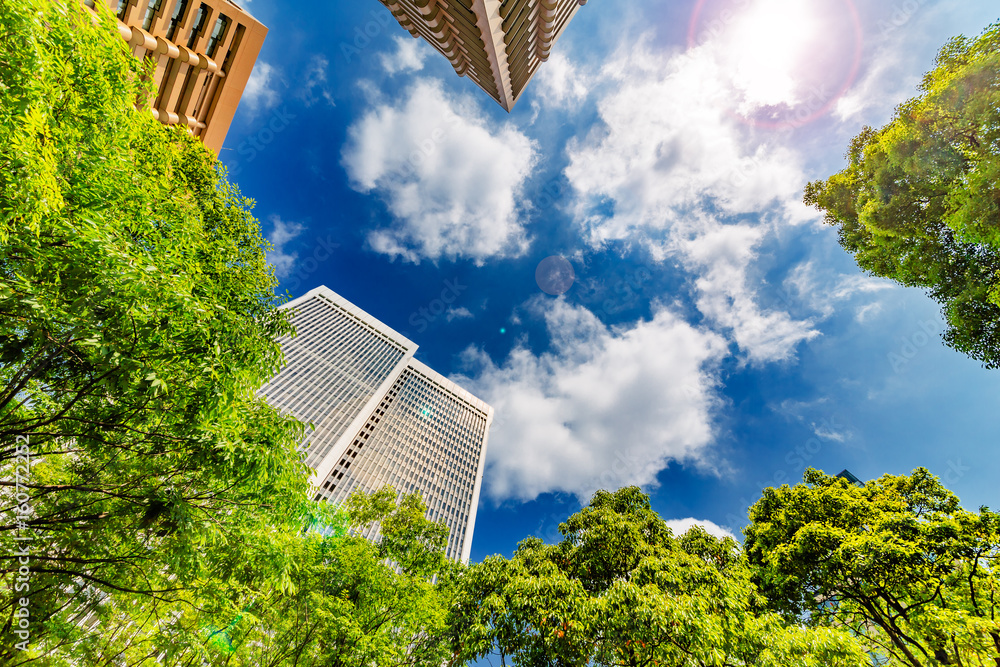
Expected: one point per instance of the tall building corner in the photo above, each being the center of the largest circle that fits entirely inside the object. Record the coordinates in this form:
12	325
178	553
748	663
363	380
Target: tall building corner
499	44
204	52
379	416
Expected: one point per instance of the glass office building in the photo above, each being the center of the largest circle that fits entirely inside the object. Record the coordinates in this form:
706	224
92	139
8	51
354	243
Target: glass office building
378	416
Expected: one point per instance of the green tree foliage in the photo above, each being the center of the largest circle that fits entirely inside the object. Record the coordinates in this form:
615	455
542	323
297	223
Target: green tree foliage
919	201
166	502
137	320
898	562
312	598
621	590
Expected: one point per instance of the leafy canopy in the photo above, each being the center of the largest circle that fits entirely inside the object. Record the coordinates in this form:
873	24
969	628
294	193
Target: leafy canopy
919	201
898	562
137	320
621	590
312	598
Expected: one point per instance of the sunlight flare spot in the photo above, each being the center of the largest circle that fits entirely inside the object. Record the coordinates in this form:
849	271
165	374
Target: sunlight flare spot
768	48
783	62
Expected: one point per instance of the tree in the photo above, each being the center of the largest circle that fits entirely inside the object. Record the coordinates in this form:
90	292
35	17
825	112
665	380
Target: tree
919	201
898	562
621	590
137	321
320	596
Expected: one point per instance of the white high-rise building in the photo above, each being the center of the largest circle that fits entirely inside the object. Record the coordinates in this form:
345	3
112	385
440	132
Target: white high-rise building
377	416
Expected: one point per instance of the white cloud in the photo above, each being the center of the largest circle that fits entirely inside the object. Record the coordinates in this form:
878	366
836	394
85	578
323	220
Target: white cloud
867	311
900	48
720	256
829	434
281	233
450	181
879	89
560	83
605	408
828	427
409	57
458	314
315	86
259	94
682	175
681	526
823	290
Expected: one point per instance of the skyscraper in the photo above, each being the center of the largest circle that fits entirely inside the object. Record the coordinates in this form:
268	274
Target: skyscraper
499	44
378	416
204	52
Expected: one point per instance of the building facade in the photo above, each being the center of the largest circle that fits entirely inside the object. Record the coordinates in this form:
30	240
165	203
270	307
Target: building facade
378	416
499	44
204	51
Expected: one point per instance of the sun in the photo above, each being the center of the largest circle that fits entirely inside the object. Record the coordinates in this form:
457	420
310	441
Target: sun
768	49
780	57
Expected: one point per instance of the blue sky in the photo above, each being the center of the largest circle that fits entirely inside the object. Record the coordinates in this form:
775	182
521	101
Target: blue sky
714	338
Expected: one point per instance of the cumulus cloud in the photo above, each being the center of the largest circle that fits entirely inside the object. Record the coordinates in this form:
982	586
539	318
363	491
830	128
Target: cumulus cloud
281	234
409	56
720	256
259	94
672	168
681	526
458	314
604	408
823	290
450	181
560	83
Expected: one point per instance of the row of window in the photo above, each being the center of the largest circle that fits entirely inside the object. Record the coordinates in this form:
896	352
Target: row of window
414	419
321	331
370	328
410	451
421	437
327	390
154	9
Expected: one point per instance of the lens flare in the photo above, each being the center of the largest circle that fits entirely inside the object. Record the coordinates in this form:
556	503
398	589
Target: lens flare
786	62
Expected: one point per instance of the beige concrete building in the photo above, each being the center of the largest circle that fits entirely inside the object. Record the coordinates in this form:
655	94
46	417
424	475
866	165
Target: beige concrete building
499	44
204	51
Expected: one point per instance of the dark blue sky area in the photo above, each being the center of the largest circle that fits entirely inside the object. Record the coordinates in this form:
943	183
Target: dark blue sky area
715	338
